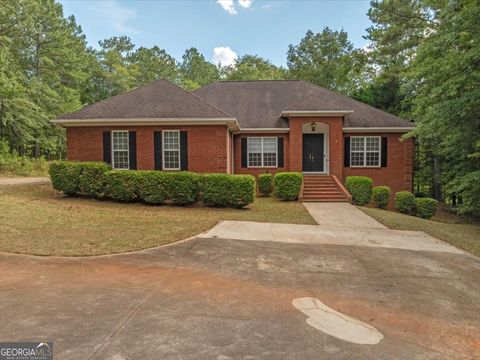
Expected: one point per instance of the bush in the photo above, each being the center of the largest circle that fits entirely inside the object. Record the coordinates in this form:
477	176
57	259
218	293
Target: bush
73	178
287	185
152	186
214	188
381	196
405	202
426	207
241	190
265	184
65	176
227	190
360	187
121	185
91	180
182	187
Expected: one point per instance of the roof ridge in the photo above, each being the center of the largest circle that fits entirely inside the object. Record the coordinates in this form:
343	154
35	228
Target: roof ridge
258	80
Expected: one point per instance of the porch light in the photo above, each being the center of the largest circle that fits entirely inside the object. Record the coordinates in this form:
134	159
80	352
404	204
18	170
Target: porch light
313	125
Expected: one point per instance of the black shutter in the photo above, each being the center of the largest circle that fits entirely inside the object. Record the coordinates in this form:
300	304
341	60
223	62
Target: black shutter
157	149
346	152
183	150
107	147
132	150
244	153
280	151
384	151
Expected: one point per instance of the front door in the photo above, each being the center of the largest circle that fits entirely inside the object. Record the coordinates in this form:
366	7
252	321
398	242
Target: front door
313	154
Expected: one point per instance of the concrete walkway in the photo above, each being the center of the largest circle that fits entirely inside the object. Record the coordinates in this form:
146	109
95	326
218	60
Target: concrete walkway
342	215
24	181
321	235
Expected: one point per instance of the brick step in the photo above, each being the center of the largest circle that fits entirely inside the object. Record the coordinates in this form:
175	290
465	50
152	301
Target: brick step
324	200
322	185
322	193
324	197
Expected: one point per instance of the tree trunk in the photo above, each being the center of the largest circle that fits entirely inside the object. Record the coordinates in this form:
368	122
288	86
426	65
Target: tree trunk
437	188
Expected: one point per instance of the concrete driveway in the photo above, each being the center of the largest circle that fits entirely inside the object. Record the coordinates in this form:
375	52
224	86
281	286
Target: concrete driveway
218	298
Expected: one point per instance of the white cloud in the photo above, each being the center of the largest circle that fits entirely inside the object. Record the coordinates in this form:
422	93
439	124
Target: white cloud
245	3
116	15
228	6
224	56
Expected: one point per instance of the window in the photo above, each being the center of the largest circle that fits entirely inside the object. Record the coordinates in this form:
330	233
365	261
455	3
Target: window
262	152
120	149
365	151
171	150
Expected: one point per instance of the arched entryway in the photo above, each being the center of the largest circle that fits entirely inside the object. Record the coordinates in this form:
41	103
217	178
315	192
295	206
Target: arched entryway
315	147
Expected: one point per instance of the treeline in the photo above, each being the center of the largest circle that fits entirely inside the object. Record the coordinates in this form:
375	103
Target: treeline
422	63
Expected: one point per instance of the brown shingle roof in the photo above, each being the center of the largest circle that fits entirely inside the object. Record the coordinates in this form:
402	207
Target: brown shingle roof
258	104
160	99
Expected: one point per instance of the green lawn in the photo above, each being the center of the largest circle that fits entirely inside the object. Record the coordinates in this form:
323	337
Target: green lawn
445	226
35	219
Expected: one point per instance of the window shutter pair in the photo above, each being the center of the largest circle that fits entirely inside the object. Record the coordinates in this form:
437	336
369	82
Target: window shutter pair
157	148
132	148
384	150
280	156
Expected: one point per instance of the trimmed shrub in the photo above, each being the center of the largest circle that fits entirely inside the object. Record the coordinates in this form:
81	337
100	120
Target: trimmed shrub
227	190
65	176
182	187
121	185
360	187
381	196
405	202
426	207
91	180
214	188
241	190
287	185
265	184
151	186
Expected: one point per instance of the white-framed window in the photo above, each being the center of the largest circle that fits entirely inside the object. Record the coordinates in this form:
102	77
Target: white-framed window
120	150
262	151
171	149
365	151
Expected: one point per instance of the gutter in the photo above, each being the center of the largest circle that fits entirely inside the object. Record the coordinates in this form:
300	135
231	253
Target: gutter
230	122
404	129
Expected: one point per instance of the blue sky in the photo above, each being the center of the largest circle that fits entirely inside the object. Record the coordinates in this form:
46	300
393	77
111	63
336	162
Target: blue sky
220	29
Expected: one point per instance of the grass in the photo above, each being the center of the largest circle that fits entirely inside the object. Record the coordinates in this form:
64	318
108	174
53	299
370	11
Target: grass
37	220
460	232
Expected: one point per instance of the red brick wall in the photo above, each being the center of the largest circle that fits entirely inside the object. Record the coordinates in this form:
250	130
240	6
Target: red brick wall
257	171
207	145
398	174
335	142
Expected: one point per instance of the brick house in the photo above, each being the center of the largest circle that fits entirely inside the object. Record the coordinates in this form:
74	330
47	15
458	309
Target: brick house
246	127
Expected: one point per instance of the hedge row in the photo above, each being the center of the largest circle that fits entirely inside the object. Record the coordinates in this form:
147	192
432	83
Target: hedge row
155	187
